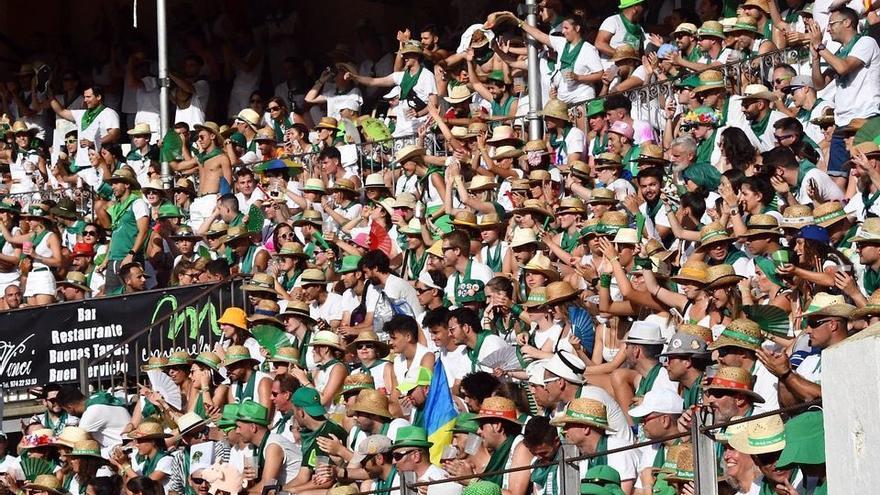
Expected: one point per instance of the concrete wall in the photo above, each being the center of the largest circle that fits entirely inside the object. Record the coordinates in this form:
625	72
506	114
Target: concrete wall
851	399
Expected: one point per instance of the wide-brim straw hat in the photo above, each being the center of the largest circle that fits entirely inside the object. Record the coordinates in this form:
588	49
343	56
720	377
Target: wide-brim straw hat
602	195
584	411
370	336
872	308
409	152
139	129
533	206
734	379
371	402
154	363
827	214
482	183
507	152
458	94
762	225
742	333
286	354
824	304
327	123
758	92
87	448
721	276
46	483
713	233
148	430
541	264
69	436
555	109
560	291
504	134
760	436
238	354
498	408
327	338
523	236
298	309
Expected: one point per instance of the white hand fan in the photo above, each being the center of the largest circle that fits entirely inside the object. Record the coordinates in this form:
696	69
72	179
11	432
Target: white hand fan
162	383
504	358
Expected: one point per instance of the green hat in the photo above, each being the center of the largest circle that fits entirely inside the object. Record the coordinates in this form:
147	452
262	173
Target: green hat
422	379
496	75
13	207
252	412
481	487
238	139
168	210
595	107
594	489
411	436
711	28
466	423
227	421
769	268
625	4
804	441
471	291
349	264
209	359
703	174
308	399
691	81
601	480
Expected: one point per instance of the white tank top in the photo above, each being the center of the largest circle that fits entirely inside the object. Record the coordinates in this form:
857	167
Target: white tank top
401	371
43	250
257	380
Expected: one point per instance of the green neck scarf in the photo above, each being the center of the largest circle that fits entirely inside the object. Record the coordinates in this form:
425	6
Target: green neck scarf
204	157
281	424
467	276
570	54
635	35
384	485
541	475
733	255
90	116
187	489
844	50
55	427
871	280
569	242
498	460
104	399
261	454
761	125
281	127
329	364
647	382
408	82
117	209
653	209
307	337
804	167
692	393
247	261
601	446
247	391
600	143
151	463
416	263
494	259
557	142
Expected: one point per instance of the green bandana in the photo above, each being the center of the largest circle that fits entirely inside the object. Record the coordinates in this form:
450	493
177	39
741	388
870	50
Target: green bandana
844	50
408	82
246	392
90	116
761	125
692	394
150	463
570	54
635	35
647	382
498	460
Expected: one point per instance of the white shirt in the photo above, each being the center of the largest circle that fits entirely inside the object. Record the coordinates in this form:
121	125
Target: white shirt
612	24
766	385
626	462
330	310
479	271
491	344
106	120
811	368
827	188
616	418
244	204
858	93
434	473
105	423
397	289
587	62
622	188
456	363
575	142
335	100
424	87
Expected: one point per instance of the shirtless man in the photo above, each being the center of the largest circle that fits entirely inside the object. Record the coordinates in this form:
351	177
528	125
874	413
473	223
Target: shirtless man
212	165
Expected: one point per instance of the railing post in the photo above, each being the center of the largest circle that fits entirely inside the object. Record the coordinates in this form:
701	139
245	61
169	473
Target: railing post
705	463
84	376
407	478
570	474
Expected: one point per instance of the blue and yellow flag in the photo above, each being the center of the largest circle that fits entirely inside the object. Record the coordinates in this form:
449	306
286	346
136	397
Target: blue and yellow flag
440	413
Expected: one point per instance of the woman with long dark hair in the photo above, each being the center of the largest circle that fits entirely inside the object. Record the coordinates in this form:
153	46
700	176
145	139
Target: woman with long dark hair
737	151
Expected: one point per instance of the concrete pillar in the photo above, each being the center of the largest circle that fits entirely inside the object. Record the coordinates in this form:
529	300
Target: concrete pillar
851	400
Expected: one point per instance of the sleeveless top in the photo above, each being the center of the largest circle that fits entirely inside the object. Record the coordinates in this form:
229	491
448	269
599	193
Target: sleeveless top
43	250
401	371
256	397
322	377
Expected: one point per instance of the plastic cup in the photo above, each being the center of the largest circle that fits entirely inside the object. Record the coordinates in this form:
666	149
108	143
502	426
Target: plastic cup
566	74
473	444
322	460
781	257
449	452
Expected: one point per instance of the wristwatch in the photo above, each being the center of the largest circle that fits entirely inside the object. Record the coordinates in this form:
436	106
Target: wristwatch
820	47
131	252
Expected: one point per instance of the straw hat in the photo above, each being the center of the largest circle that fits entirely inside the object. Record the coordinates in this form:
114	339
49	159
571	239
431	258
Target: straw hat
555	109
178	358
745	23
481	183
760	436
704	333
607	160
208	359
734	379
409	152
571	205
266	311
238	354
504	134
611	221
148	430
625	52
292	249
872	308
237	232
298	309
521	237
590	228
711	79
824	304
285	354
540	176
584	411
535	145
560	291
344	185
488	221
357	382
498	408
713	233
140	129
314	185
413	227
375	181
371	402
249	117
602	195
626	236
685	27
465	218
684	467
260	282
369	336
309	217
70	435
458	94
762	225
758	92
75	279
541	264
797	216
436	249
721	276
474	129
507	152
651	153
519	185
869	231
124	174
190	422
327	338
155	363
46	483
579	169
692	272
413	47
742	333
216	228
760	4
87	448
533	206
537	297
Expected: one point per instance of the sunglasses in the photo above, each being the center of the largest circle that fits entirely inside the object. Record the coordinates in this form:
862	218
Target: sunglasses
784	137
273	109
422	291
70	141
91	233
199	481
365	346
780	80
398	456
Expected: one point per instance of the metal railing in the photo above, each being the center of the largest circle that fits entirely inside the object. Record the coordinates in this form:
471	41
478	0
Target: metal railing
699	432
83	198
168	333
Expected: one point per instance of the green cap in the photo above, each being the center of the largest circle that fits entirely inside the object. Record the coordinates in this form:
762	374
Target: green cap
691	81
411	436
422	379
769	269
625	4
227	420
602	474
252	412
594	489
168	210
238	139
703	174
804	441
466	423
308	399
349	264
13	206
595	107
482	487
496	75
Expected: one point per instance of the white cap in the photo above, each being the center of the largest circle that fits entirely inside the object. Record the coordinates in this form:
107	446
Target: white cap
426	279
535	369
349	104
644	332
567	366
658	400
394	93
